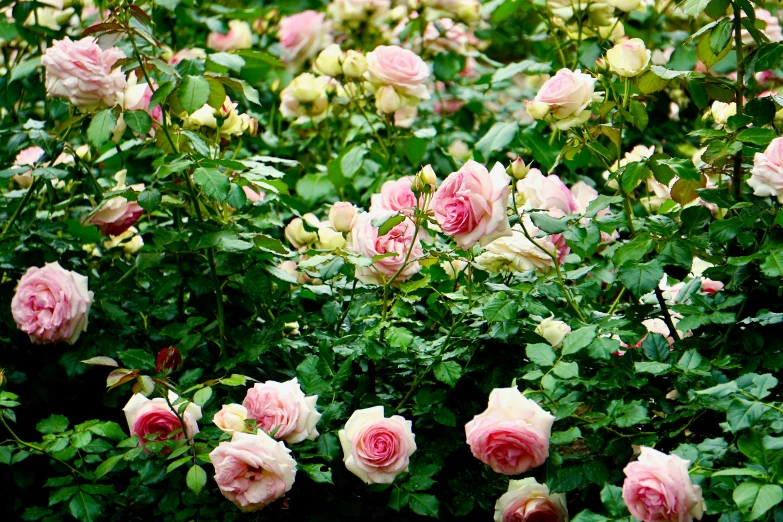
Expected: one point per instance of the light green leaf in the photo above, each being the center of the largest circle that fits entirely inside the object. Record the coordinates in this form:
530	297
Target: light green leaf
640	278
193	93
317	473
578	339
100	128
196	478
500	135
541	354
202	396
653	367
424	505
755	499
214	183
566	370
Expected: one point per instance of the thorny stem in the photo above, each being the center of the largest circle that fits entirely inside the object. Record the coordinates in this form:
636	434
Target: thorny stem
21	206
737	179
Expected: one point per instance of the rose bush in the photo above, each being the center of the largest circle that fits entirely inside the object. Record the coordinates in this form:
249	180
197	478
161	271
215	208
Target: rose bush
391	260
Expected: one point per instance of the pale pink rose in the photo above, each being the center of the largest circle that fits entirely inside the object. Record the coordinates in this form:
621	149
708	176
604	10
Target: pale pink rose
405	117
26	157
658	488
516	253
282	410
377	449
566	95
116	215
303	35
512	435
470	205
395	196
83	73
253	193
153	419
341	216
51	304
772	30
710	287
399	68
529	501
231	418
252	471
766	177
545	192
188	54
655	325
364	240
239	36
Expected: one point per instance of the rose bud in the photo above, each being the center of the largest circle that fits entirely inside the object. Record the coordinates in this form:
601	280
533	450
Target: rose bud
168	359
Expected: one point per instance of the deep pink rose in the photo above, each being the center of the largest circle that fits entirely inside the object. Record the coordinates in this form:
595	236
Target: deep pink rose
116	215
395	196
148	417
512	434
658	488
529	501
51	304
399	68
364	240
239	36
470	205
377	449
303	35
282	410
252	471
766	177
83	73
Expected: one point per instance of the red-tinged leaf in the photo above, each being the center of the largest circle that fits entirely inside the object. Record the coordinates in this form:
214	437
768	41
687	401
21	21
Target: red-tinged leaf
101	360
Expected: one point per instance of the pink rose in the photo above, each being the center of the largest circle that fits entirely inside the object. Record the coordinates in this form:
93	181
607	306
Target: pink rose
303	35
188	54
766	177
658	488
83	73
377	449
399	68
253	193
710	287
395	196
51	304
238	37
470	205
529	501
26	157
252	471
116	215
405	117
282	410
153	419
512	435
364	240
566	96
545	192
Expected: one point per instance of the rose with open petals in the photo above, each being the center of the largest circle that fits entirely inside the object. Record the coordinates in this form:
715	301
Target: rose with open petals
766	177
567	96
545	192
516	253
395	196
51	304
377	449
364	240
83	73
252	471
470	205
528	501
282	410
512	434
116	215
153	419
239	36
303	35
657	488
399	68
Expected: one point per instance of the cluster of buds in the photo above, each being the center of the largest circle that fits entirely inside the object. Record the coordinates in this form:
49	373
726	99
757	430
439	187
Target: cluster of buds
467	11
232	122
308	231
306	98
333	62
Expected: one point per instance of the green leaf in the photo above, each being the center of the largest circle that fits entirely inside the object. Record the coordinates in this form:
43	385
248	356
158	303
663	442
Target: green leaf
202	396
139	121
694	7
84	507
549	224
137	358
744	414
52	424
612	498
214	183
196	478
655	368
317	473
759	136
755	499
107	465
398	499
149	199
500	308
101	126
773	264
525	66
564	438
639	113
385	224
634	250
193	93
566	370
720	35
497	138
424	505
447	66
161	93
631	175
589	516
541	354
310	379
723	231
25	69
656	347
352	161
640	278
578	339
603	347
448	372
631	414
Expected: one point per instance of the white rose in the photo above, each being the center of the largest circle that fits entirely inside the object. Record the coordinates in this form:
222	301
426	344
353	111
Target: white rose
231	418
628	58
553	331
516	253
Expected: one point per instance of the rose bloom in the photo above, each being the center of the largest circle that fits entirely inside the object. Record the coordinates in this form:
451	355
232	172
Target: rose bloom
553	331
364	240
51	304
252	471
545	192
83	73
395	196
116	215
188	54
303	35
357	10
399	68
282	410
528	501
657	488
628	58
470	205
238	37
148	417
721	112
766	177
512	434
377	449
517	253
231	418
567	96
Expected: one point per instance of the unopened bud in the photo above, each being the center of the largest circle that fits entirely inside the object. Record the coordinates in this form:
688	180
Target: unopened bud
328	62
354	65
518	169
341	216
387	100
168	359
